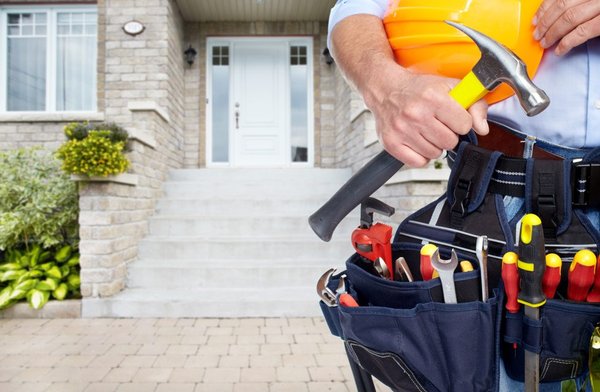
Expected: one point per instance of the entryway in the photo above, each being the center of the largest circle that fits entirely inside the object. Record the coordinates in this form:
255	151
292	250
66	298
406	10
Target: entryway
259	105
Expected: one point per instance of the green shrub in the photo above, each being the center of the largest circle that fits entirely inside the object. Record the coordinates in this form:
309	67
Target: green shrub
36	275
94	150
38	203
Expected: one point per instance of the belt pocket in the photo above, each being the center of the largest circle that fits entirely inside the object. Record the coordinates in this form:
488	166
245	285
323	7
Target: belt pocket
403	333
561	337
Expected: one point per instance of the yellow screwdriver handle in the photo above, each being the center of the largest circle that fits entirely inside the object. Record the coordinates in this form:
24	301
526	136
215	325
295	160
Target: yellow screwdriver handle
468	91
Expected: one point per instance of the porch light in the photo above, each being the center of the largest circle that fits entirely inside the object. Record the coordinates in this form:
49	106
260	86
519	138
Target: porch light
190	55
328	59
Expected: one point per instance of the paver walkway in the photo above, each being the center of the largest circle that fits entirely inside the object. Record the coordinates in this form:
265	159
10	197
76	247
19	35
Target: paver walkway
171	355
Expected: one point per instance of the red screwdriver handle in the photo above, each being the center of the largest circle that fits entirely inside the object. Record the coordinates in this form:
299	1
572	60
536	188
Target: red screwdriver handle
510	277
594	295
551	278
581	275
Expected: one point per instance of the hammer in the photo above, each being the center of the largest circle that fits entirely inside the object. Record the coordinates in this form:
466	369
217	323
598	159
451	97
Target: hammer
497	64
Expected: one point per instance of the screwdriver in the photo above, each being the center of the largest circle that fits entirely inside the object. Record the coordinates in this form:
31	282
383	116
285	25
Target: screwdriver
465	266
348	301
531	267
594	295
551	278
581	275
510	277
426	267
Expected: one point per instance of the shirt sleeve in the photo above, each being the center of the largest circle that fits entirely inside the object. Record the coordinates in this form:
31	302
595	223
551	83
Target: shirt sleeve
344	8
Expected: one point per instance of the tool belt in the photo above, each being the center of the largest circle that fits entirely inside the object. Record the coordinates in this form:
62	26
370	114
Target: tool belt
406	336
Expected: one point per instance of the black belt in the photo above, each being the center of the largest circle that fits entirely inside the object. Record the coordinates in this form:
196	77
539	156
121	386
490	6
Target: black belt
510	173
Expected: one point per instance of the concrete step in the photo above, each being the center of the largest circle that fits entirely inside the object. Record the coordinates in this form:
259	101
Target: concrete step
241	225
261	175
234	302
171	249
201	204
247	274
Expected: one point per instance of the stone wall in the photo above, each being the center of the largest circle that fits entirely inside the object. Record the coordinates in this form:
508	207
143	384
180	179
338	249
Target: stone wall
195	83
142	78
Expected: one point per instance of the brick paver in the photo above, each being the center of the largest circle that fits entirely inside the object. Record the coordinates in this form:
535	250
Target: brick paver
146	355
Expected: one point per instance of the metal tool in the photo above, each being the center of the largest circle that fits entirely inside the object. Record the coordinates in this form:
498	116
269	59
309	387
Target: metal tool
373	241
496	65
402	270
445	269
481	249
531	264
381	268
324	292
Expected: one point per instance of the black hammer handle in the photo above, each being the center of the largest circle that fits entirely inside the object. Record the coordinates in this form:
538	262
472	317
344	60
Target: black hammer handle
356	190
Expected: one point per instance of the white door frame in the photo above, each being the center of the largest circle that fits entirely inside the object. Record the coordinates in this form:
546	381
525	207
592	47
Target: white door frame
228	41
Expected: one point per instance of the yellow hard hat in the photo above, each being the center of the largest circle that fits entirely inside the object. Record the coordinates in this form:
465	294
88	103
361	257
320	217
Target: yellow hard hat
422	42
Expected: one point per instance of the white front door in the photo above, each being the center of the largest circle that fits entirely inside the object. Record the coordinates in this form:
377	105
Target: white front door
260	103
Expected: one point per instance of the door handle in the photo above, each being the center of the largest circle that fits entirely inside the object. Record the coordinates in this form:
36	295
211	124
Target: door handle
237	115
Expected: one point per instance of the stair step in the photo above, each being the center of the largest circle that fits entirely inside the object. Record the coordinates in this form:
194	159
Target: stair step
230	302
260	175
237	226
224	273
170	248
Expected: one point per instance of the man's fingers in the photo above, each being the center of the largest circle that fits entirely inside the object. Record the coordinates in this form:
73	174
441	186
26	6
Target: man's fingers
407	156
578	36
479	112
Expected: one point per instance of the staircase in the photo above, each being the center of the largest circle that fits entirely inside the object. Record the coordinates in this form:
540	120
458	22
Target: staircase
233	243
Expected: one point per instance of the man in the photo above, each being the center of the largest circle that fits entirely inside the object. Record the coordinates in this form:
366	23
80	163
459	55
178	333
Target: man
415	117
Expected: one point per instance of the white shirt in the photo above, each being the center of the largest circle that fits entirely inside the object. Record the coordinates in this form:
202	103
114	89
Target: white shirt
572	82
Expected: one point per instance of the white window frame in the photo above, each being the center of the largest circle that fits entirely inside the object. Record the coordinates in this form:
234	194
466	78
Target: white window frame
291	41
51	60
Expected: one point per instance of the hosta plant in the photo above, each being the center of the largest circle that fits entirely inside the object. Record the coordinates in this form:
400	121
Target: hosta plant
94	149
36	275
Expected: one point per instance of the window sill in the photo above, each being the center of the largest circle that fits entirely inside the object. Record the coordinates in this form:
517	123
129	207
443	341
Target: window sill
50	117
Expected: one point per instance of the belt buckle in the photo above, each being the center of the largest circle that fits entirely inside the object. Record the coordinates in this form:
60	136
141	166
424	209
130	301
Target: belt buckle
586	184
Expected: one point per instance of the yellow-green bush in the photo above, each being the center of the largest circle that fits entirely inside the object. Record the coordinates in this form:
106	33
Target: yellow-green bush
96	150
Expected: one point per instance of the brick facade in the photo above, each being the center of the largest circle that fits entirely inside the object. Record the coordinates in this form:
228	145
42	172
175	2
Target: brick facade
145	86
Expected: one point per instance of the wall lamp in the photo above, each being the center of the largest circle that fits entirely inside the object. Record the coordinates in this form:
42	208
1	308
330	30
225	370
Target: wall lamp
328	59
190	55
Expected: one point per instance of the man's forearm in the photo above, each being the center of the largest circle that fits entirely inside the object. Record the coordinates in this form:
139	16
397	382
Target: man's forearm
363	54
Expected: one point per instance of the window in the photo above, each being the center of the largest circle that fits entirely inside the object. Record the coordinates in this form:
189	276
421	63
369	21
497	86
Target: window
299	103
220	103
49	59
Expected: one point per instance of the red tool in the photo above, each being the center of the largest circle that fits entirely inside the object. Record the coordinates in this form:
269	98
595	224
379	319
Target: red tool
551	278
510	277
373	241
594	295
348	301
581	275
426	267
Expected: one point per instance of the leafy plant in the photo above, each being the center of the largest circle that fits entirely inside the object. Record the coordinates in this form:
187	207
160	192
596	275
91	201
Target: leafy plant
38	203
94	150
37	275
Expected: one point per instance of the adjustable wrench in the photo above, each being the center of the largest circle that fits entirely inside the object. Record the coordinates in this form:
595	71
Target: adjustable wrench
445	269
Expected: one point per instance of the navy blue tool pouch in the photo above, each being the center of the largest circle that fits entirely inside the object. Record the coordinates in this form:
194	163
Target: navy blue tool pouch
405	335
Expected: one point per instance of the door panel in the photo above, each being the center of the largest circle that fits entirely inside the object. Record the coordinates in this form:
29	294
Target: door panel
260	103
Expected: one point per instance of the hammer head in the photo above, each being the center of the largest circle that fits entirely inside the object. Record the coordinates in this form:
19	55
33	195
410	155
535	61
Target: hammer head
499	64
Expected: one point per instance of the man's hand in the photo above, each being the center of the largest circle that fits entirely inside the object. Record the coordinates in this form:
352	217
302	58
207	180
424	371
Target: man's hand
568	22
416	117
